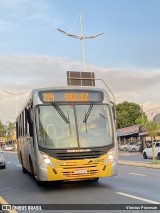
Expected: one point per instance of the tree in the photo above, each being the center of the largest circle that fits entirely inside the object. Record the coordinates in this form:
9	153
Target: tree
127	113
2	130
152	128
11	130
2	133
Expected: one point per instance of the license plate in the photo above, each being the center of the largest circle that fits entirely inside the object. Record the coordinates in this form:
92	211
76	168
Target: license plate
80	171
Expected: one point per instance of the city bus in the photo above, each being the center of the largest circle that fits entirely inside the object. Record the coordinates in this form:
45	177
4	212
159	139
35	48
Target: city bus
67	134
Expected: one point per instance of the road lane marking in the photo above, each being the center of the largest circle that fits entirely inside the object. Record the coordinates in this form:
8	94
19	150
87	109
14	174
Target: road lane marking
8	162
4	202
19	165
138	198
136	174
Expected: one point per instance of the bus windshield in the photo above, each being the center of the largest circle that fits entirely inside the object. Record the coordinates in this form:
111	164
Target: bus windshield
73	126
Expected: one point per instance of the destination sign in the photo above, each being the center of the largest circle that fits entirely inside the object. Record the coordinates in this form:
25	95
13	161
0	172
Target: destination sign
67	96
76	96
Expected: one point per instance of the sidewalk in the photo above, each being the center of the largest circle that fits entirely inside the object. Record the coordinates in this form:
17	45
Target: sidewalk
139	164
11	152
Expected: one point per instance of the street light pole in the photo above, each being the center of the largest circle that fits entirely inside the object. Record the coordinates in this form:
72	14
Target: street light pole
81	37
83	58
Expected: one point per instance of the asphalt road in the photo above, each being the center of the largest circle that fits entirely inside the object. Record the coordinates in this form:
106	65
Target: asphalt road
133	156
132	185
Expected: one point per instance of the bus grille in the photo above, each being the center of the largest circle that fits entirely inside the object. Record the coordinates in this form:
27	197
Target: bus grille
63	154
81	155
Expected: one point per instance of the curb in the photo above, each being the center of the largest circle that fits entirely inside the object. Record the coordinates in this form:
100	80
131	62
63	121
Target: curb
138	164
8	151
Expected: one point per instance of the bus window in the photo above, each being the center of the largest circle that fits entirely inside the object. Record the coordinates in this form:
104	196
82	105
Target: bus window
52	129
96	131
56	126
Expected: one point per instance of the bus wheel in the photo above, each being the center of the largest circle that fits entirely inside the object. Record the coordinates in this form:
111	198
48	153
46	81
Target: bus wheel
3	167
23	169
145	155
94	179
40	183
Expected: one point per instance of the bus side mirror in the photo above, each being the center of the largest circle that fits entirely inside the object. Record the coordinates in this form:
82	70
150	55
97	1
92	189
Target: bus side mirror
113	109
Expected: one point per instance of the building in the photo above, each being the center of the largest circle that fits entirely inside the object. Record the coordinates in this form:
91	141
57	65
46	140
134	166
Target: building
128	134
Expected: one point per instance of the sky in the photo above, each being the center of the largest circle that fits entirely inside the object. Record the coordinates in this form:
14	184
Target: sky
34	54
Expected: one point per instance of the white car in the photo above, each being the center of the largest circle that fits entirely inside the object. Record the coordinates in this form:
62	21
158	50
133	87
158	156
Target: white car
2	162
147	152
126	146
135	147
8	148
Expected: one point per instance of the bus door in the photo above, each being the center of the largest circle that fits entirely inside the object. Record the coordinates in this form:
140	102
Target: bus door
30	140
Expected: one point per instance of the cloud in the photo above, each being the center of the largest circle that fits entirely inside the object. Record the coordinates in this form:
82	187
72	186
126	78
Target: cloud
24	73
32	71
132	84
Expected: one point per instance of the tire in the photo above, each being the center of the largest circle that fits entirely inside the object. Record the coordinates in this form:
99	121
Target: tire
145	155
23	169
40	183
124	149
91	180
3	167
133	150
158	156
95	179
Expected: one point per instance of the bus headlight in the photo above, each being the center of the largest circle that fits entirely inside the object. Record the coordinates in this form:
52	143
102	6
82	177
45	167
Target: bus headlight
110	157
46	160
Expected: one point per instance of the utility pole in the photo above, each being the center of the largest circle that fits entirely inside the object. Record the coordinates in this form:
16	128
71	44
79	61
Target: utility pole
83	58
143	142
142	114
81	37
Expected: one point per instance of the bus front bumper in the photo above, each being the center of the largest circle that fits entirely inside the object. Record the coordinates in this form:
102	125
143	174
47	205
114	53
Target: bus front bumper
72	170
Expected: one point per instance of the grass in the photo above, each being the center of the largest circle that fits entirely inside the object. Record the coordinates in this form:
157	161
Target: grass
155	161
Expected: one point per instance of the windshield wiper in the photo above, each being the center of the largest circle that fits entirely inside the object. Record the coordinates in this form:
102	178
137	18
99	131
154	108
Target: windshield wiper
61	113
69	123
102	116
87	115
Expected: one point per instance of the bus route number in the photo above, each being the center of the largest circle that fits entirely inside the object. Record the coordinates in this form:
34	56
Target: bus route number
48	97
